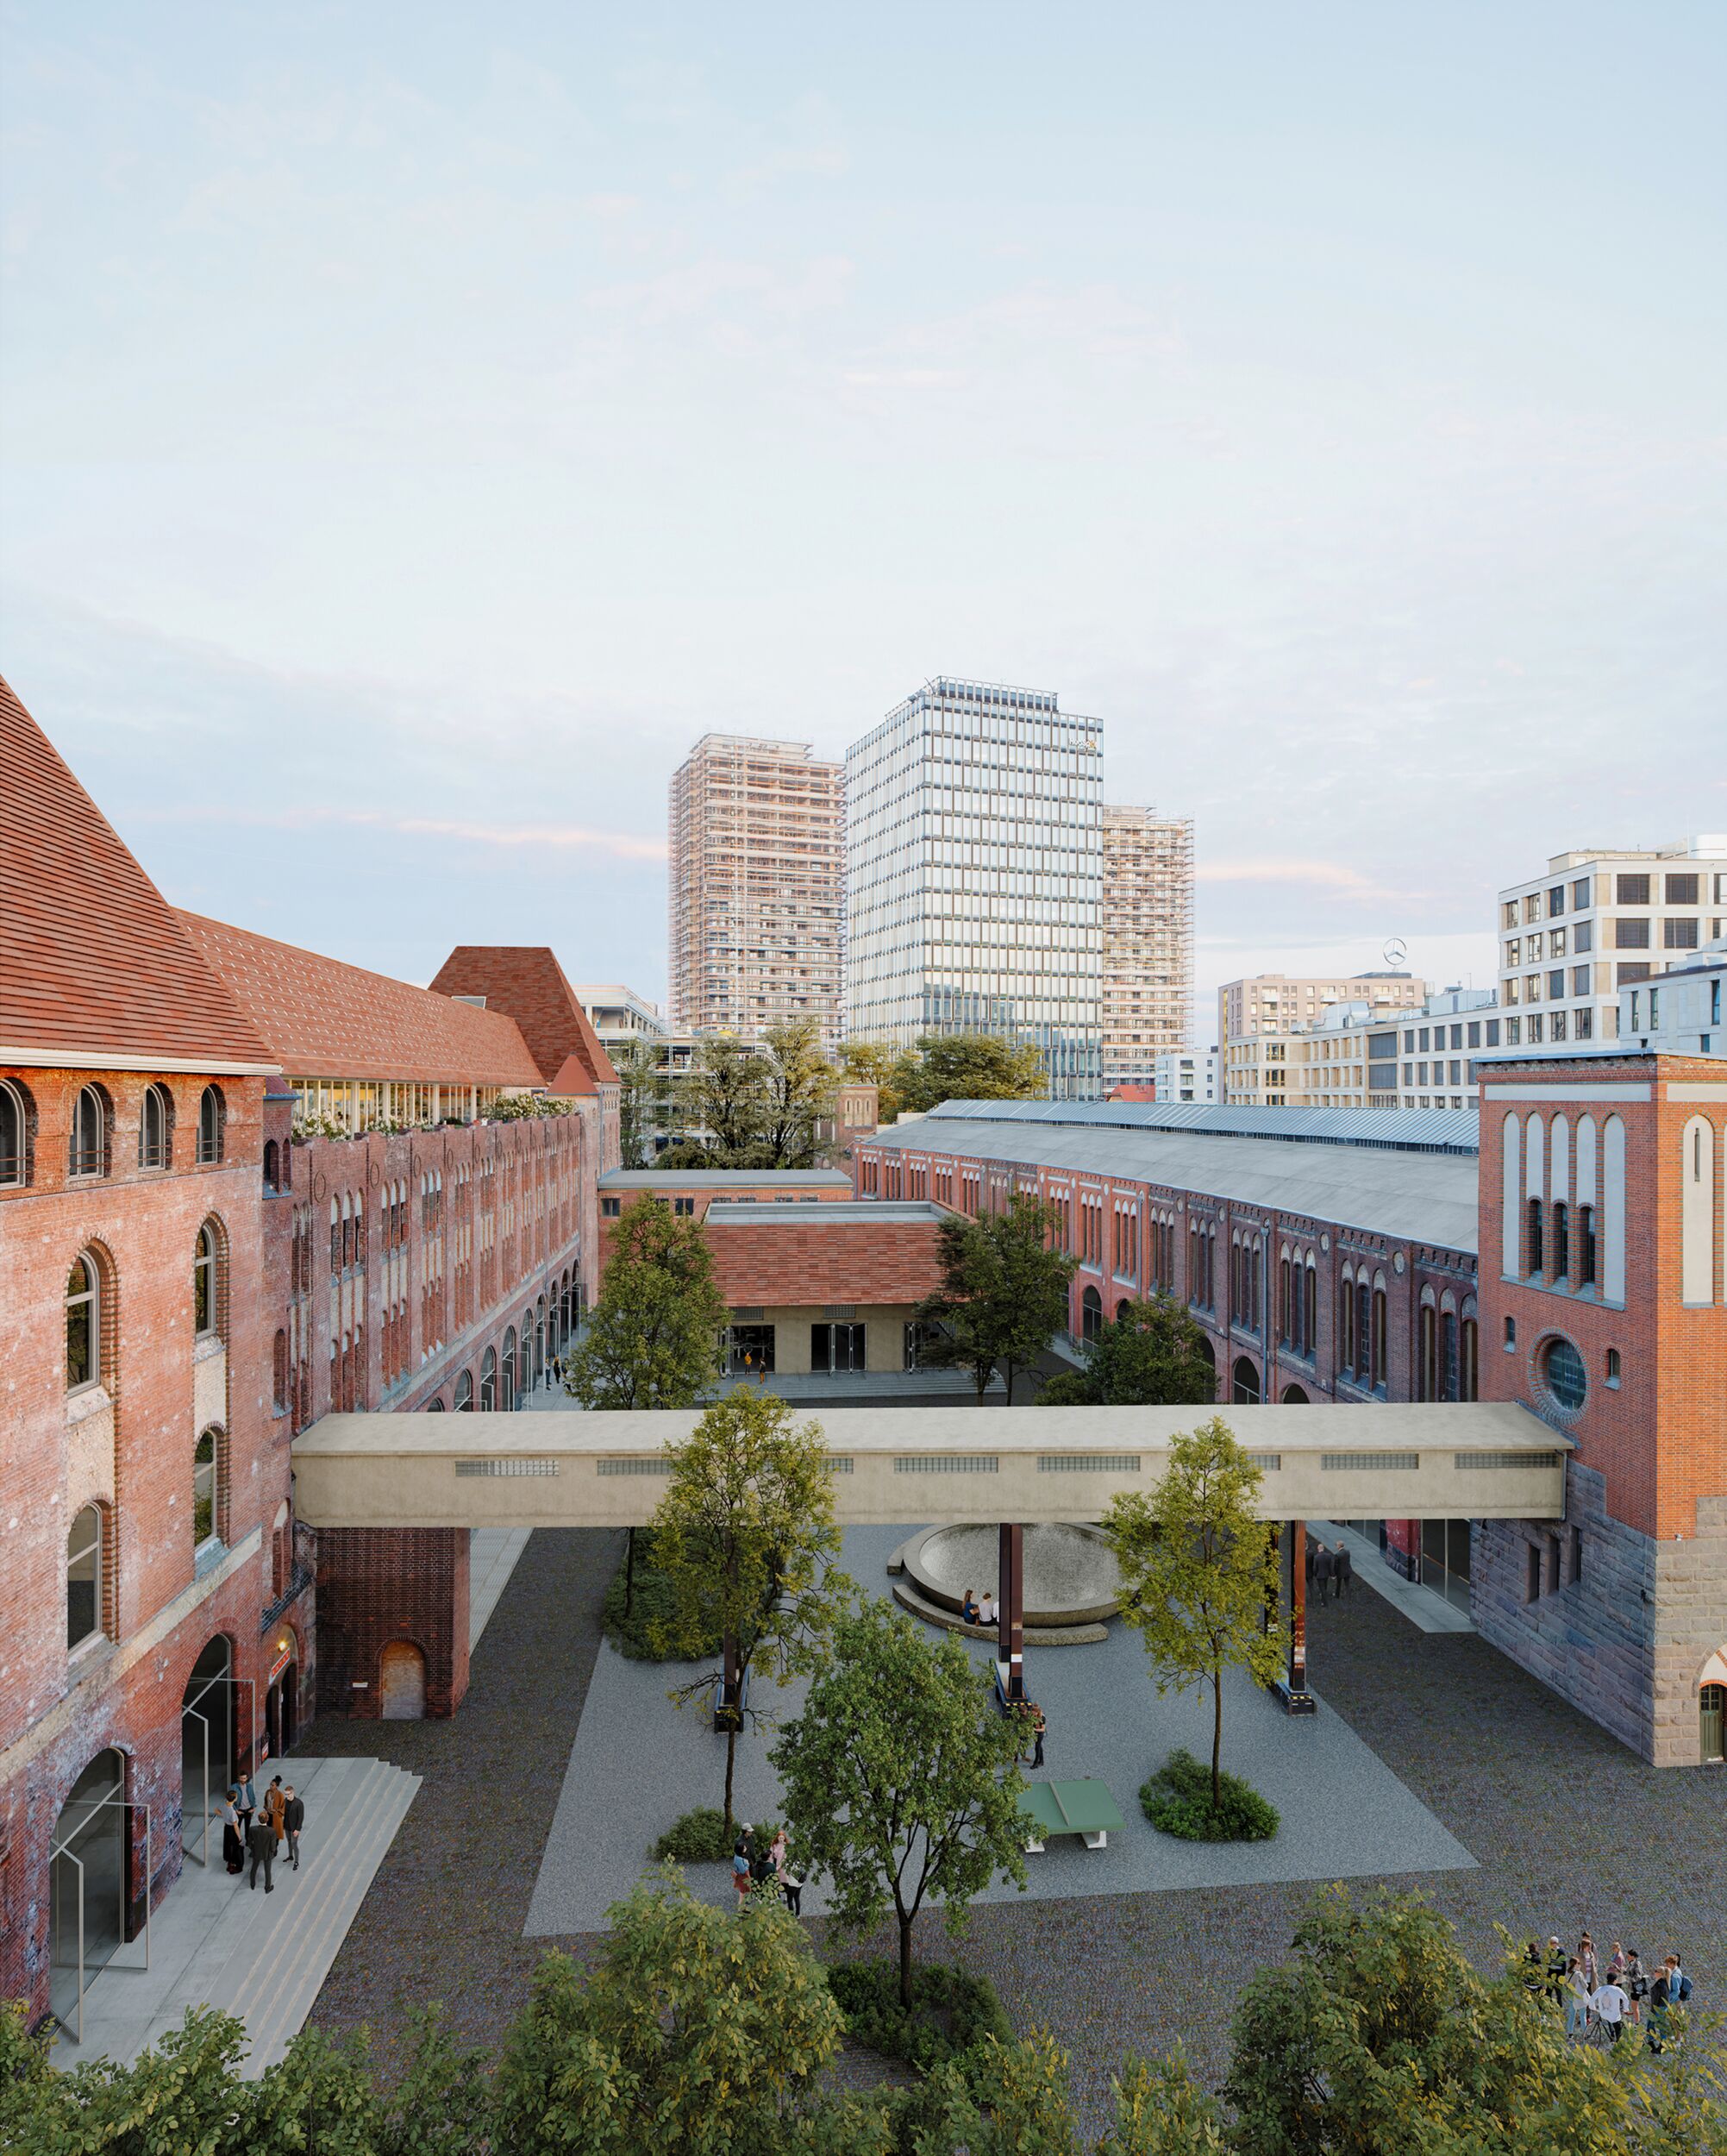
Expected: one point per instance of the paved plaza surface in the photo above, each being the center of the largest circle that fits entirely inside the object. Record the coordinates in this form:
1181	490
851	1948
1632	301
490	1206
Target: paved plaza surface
1567	1829
639	1761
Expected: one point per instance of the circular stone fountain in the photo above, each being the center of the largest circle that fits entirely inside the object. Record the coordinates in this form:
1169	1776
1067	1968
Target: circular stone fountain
1070	1584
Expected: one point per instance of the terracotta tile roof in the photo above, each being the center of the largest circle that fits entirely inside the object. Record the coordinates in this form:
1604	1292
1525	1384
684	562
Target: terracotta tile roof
527	981
325	1019
95	969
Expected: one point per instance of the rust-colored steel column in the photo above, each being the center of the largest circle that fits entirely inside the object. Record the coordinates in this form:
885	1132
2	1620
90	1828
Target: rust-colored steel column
1293	1691
1011	1609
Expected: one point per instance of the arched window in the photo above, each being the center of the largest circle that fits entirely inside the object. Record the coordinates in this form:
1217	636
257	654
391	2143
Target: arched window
465	1394
18	1133
206	1284
488	1382
1711	1715
1310	1312
84	1577
1534	1247
1245	1383
1346	1324
272	1165
1376	1372
1091	1314
279	1373
84	1324
434	1406
206	1464
155	1127
1427	1359
1561	1224
506	1388
1293	1397
1563	1374
212	1125
1468	1361
89	1120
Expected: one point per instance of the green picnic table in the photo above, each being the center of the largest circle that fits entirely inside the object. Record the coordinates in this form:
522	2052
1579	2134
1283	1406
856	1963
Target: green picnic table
1069	1808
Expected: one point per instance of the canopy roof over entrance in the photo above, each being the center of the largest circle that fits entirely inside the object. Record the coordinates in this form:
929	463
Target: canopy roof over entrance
1465	1461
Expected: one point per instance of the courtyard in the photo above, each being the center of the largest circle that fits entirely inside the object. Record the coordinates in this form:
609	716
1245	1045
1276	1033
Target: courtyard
1435	1764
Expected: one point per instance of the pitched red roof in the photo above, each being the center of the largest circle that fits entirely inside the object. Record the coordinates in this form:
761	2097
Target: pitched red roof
526	980
95	968
325	1019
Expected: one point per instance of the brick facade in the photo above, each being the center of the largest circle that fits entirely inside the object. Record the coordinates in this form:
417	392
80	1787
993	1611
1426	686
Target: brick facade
382	1586
798	1262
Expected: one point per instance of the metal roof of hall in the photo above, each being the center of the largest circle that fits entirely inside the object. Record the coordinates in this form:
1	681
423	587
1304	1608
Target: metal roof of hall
1421	1193
1401	1129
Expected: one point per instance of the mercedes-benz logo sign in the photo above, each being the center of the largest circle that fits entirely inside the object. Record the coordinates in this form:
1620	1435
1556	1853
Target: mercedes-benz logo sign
1396	951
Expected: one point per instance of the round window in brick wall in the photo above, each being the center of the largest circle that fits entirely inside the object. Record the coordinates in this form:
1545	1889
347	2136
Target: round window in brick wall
1562	1372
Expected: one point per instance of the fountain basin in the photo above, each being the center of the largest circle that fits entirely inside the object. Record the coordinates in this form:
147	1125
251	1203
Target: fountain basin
1070	1575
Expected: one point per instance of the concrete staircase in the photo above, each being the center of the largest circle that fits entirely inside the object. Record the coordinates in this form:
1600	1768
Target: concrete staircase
260	1956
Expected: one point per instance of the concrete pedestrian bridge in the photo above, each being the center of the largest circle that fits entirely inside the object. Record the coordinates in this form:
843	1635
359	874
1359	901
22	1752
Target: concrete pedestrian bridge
1462	1461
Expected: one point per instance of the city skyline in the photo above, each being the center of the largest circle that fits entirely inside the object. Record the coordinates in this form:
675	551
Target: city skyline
414	442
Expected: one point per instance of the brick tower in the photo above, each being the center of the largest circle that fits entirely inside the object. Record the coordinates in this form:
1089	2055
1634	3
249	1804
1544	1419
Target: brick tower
1604	1308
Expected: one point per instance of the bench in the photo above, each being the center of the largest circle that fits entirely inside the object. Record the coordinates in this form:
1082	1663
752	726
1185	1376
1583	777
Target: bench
1085	1808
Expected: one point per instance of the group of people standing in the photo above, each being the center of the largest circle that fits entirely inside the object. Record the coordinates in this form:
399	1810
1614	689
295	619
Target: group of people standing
758	1861
1329	1571
258	1831
1608	1994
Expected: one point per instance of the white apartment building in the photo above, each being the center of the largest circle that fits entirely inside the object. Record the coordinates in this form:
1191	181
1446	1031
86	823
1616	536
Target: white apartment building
1598	922
1685	1012
1186	1073
974	876
1257	1014
620	1016
1147	927
1360	1057
756	888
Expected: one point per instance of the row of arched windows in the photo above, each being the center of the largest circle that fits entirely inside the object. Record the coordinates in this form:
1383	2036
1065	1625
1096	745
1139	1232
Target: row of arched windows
1563	1203
1298	1301
1447	1357
90	1291
90	1145
1361	1327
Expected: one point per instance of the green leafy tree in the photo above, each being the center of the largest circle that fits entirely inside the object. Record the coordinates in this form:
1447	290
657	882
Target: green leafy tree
640	1101
871	1063
728	1097
1003	1291
653	1339
1160	2110
901	1777
1150	1354
1200	1572
1379	2035
798	1084
966	1066
696	2030
745	1538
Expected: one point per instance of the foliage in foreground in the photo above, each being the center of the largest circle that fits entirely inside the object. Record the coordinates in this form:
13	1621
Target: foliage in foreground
637	1608
1177	1800
1003	1291
703	2030
952	2010
653	1338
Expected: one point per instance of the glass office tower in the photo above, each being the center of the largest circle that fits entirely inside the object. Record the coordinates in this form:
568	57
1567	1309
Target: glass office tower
974	876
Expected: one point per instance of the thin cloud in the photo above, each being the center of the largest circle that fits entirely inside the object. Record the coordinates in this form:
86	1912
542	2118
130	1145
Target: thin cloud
1325	875
620	845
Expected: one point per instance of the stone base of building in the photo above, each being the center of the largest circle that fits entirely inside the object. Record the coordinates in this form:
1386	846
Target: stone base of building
392	1621
1616	1623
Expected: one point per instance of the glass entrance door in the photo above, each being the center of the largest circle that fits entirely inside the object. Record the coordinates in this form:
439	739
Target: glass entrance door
87	1885
836	1347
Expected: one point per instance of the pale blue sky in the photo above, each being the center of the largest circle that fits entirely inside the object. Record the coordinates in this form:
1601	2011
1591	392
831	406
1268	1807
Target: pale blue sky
421	423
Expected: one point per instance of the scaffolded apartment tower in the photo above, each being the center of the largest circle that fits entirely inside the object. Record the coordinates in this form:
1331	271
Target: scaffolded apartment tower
1147	920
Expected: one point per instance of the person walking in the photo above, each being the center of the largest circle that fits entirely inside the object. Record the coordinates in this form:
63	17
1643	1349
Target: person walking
293	1819
244	1803
1635	1985
232	1849
260	1841
1344	1572
1576	1998
740	1874
1039	1724
1324	1565
1557	1962
1309	1551
1660	2004
792	1887
1586	1954
1679	1984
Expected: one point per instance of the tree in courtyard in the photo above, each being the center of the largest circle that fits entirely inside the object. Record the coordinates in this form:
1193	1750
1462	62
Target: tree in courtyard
695	2030
966	1066
745	1538
798	1086
1199	1572
727	1099
1151	1354
1003	1291
653	1338
901	1777
640	1088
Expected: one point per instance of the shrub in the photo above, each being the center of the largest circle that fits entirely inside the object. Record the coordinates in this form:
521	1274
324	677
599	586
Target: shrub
1177	1800
952	2010
699	1837
650	1603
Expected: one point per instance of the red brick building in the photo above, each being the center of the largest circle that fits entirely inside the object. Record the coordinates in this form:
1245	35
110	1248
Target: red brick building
239	1184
